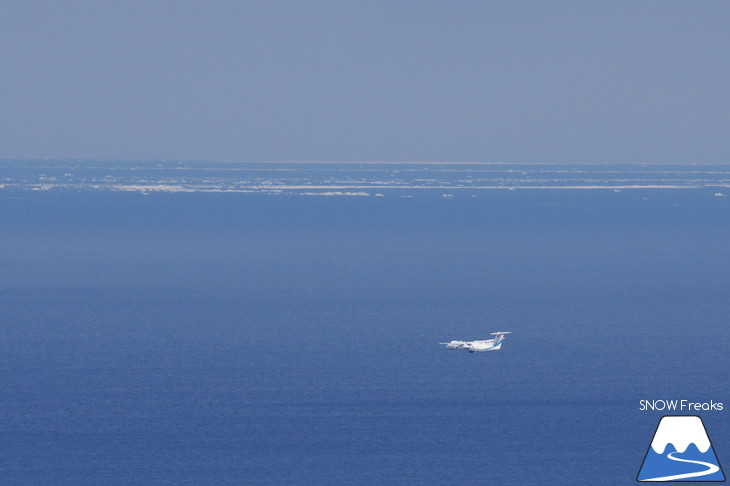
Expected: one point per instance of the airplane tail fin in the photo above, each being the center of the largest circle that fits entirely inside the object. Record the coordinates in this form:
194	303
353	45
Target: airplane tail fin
499	338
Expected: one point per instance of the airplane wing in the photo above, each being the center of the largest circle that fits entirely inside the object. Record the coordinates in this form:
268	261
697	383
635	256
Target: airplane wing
457	344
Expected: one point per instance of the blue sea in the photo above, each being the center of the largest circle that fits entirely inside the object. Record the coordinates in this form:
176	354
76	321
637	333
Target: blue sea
262	324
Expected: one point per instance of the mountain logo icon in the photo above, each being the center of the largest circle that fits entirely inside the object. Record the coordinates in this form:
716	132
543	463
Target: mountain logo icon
680	451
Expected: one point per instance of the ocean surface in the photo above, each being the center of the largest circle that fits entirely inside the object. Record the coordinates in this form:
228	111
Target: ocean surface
279	324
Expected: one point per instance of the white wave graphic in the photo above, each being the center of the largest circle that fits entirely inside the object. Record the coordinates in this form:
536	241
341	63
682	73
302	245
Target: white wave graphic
711	468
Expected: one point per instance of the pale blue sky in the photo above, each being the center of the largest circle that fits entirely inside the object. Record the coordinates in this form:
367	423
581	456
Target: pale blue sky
511	81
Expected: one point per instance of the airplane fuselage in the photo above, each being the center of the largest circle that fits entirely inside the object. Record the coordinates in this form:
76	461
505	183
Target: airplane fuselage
481	345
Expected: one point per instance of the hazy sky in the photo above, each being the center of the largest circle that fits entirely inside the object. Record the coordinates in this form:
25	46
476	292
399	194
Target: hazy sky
512	81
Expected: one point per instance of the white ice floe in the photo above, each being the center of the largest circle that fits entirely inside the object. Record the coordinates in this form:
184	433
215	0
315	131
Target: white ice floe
334	193
152	188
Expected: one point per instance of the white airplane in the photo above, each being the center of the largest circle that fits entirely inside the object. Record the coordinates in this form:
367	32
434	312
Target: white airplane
479	346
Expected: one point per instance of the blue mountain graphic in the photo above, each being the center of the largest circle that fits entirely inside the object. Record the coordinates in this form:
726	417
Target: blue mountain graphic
662	465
